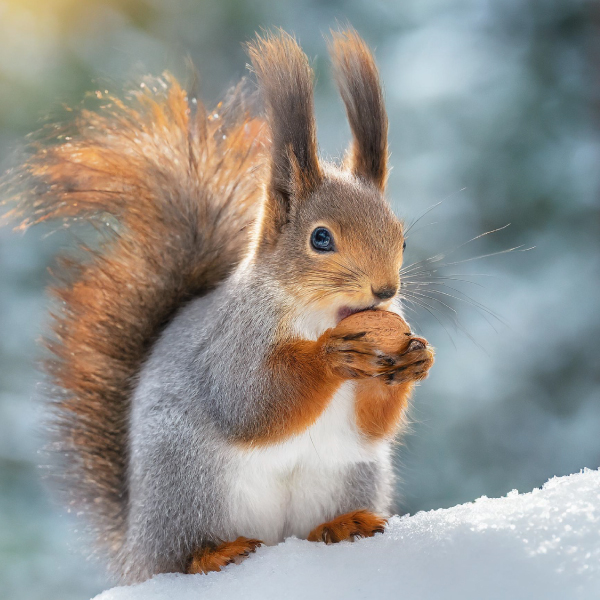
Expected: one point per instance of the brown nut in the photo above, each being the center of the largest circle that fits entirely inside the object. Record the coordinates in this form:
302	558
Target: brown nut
389	331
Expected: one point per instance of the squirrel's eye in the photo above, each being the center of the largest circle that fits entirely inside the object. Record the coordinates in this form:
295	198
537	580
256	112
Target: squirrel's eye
322	240
404	246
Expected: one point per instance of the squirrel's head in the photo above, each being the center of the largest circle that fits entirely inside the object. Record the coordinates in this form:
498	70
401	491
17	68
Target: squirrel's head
327	233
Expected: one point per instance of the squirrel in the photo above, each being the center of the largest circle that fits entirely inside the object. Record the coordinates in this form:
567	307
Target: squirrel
209	389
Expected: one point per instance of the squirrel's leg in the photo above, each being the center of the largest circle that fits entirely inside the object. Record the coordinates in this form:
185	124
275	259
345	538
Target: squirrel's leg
382	393
214	557
352	525
379	407
381	400
306	374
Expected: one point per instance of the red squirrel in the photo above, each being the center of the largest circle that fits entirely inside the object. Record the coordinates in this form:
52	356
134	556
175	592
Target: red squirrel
212	385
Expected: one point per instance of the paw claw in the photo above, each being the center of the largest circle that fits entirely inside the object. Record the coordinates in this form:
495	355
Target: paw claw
416	344
386	361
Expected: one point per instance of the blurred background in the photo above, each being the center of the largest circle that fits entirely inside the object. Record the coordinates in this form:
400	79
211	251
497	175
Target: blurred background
493	108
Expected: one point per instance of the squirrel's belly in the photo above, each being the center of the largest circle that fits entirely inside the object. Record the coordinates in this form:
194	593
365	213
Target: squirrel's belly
291	487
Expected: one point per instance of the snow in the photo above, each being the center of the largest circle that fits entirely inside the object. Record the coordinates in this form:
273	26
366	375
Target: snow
544	544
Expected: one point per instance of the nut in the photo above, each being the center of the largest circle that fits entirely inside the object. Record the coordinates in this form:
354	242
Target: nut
389	331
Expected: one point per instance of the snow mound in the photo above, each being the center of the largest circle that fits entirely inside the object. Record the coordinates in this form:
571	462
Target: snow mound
545	544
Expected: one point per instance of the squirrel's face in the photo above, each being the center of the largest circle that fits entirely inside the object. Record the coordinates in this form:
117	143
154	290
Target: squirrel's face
341	251
327	236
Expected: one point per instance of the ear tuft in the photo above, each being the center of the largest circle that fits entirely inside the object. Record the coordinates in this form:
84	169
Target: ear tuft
286	82
358	81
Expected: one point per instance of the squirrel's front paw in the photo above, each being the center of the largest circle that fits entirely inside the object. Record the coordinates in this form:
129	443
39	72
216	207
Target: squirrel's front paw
378	344
411	365
352	355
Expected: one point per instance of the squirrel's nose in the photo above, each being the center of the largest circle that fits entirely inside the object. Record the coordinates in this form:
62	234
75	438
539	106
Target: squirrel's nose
385	293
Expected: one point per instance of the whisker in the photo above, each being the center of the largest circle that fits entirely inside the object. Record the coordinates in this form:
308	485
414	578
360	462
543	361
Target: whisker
432	287
422	295
455	320
470	301
424	284
515	249
412	309
422	305
350	270
434	206
422	227
442	255
409	282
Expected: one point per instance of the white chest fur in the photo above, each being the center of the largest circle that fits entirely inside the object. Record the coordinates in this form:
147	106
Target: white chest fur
290	488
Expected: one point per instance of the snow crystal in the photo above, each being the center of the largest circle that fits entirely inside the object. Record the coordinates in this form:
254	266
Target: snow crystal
545	544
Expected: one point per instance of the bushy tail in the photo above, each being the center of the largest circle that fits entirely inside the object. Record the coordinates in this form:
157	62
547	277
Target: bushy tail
174	189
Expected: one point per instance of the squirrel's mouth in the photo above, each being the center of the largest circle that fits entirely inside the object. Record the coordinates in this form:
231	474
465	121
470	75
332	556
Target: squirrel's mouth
346	311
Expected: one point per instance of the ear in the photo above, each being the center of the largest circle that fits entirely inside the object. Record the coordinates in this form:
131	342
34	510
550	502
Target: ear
286	82
358	82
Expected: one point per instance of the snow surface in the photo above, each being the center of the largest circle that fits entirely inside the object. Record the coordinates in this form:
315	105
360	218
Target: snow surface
544	544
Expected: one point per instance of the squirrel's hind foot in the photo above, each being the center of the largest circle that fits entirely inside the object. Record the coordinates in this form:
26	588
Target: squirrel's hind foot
215	557
352	525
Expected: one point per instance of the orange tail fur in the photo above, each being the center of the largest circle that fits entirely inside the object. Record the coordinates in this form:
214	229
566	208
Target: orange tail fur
167	183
